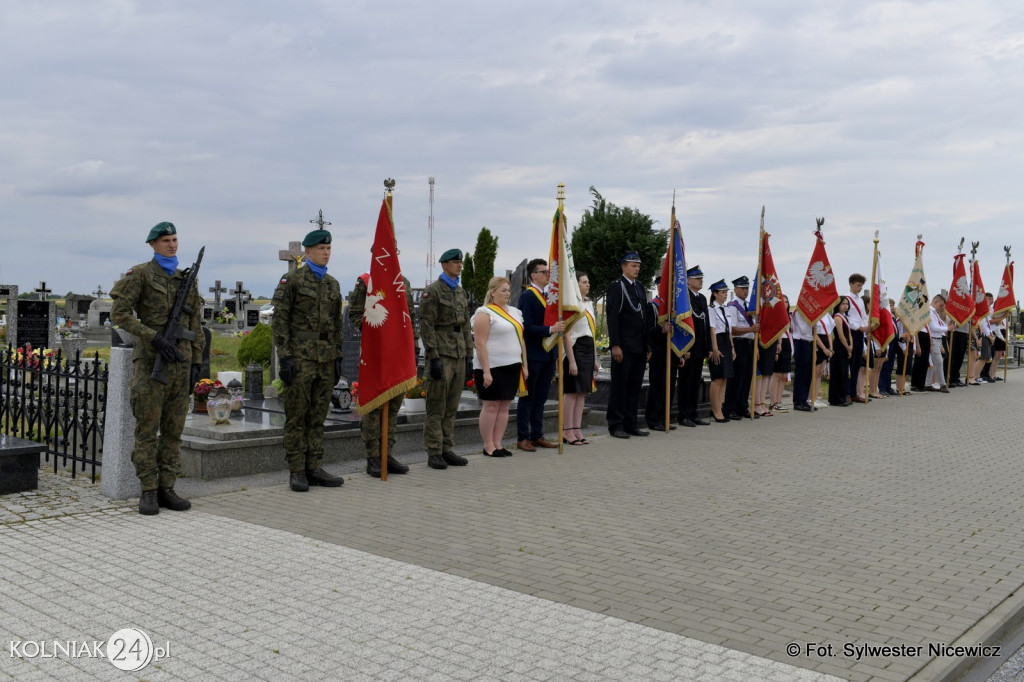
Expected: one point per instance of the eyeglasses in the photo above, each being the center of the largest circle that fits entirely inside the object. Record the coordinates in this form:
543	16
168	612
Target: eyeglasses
542	272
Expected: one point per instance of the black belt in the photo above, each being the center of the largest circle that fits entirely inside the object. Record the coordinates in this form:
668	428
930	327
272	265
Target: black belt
312	336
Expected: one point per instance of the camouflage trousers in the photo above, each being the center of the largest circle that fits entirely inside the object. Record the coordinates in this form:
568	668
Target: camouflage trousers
159	409
370	427
442	404
306	404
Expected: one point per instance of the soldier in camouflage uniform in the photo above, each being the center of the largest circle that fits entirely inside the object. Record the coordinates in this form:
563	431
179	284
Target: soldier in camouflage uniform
149	289
307	333
370	427
448	343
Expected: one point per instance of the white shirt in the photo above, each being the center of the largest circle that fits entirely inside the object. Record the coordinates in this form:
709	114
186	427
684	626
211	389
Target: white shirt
857	316
826	325
801	330
502	341
738	319
719	314
937	327
581	327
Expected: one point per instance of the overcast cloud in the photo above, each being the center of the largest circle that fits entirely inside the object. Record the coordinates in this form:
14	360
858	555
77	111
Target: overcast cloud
238	121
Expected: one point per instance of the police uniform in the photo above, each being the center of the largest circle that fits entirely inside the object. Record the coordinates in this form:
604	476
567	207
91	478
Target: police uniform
737	390
307	334
654	411
448	344
370	425
149	291
629	319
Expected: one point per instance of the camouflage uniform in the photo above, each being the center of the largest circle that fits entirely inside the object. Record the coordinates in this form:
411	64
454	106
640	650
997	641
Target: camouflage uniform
307	328
370	426
444	325
150	292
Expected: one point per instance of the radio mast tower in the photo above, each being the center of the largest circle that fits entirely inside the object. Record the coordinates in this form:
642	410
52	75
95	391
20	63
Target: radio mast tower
430	234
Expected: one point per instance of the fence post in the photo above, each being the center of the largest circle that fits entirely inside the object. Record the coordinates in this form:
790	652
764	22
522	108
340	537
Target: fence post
119	481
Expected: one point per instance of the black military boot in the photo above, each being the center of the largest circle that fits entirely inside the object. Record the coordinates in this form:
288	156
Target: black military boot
451	459
148	504
395	467
168	499
297	481
320	477
373	467
436	462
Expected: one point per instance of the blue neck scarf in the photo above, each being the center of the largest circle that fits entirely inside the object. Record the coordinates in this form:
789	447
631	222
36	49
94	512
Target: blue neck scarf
449	281
168	265
318	270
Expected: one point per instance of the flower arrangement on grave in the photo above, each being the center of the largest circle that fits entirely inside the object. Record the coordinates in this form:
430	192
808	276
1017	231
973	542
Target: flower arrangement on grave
354	390
225	316
417	391
34	358
204	387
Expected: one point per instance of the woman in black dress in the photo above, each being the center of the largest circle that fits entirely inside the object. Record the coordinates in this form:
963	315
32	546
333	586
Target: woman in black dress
722	354
579	366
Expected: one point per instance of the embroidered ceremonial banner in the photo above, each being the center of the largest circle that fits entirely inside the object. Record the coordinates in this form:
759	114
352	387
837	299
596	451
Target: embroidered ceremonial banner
980	302
563	284
673	274
818	293
881	324
913	308
774	315
960	304
1005	300
387	360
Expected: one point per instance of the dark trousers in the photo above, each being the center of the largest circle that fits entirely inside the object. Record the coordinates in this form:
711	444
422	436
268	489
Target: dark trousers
856	362
837	369
919	370
691	376
654	411
885	378
530	413
802	371
624	401
737	389
956	360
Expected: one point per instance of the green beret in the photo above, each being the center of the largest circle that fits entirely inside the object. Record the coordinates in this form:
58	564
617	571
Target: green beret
161	230
316	237
450	254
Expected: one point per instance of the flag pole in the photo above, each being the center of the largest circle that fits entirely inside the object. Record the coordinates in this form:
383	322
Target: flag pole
1006	320
949	333
561	285
867	341
389	187
670	307
757	316
970	322
906	347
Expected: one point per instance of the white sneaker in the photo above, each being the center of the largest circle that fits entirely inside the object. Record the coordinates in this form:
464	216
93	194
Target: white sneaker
820	403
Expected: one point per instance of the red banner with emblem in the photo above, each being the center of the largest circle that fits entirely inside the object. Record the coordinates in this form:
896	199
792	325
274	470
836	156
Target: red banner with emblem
1005	300
774	316
960	304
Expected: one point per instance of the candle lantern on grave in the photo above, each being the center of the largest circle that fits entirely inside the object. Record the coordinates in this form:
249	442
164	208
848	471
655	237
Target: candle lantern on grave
253	381
219	406
235	389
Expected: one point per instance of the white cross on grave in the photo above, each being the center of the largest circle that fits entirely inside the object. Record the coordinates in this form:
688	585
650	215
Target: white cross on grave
294	255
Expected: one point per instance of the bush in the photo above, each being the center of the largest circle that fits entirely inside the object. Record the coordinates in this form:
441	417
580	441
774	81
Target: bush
256	347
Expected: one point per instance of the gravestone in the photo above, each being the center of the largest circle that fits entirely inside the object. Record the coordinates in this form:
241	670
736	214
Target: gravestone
252	316
519	281
293	256
242	297
8	304
217	290
76	305
208	313
36	323
229	306
99	312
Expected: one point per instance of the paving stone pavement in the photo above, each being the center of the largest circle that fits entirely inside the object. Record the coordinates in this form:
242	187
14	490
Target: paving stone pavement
894	523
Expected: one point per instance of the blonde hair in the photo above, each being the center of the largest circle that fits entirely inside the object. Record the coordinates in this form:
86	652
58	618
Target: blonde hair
492	286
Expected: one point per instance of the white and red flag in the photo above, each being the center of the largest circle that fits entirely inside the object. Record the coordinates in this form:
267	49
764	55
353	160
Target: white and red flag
882	326
387	359
563	285
1005	299
774	316
960	304
980	302
818	293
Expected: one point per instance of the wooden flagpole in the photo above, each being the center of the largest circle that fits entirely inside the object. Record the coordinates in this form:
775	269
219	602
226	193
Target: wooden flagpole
757	316
670	307
1006	323
389	187
971	326
867	341
906	347
949	333
560	244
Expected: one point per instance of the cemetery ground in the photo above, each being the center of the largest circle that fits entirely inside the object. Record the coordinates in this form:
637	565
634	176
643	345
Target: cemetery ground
873	542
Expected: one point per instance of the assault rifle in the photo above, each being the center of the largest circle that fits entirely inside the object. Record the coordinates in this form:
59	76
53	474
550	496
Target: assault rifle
175	331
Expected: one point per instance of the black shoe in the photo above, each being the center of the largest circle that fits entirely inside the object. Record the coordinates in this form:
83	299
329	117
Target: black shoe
320	477
373	467
168	499
619	433
493	453
451	459
148	505
745	414
726	420
701	421
436	462
803	407
661	427
687	422
297	481
733	416
637	432
504	452
396	467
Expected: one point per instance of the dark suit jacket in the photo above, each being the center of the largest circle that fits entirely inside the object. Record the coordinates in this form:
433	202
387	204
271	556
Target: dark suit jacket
627	327
534	329
701	326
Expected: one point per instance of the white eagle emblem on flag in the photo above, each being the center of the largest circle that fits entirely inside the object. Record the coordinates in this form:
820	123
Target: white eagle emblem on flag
375	313
963	286
819	275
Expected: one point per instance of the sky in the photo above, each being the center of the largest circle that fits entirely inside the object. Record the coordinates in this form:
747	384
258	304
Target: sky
239	120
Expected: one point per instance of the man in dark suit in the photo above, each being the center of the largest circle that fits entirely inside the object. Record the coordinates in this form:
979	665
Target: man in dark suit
658	336
628	316
691	374
541	369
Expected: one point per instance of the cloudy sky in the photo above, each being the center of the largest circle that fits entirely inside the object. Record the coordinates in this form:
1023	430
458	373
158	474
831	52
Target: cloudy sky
239	120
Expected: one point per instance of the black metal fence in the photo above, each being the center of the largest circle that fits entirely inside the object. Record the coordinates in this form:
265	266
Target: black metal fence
58	401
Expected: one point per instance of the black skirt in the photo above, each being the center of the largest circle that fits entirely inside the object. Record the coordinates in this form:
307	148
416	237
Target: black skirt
766	359
782	363
723	370
504	382
583	382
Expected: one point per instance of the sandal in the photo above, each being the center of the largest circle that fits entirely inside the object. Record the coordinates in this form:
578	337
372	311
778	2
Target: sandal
578	441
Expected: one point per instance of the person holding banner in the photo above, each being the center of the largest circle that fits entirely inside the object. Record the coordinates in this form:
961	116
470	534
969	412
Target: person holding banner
499	365
937	329
658	338
628	317
859	325
579	367
691	371
533	306
723	354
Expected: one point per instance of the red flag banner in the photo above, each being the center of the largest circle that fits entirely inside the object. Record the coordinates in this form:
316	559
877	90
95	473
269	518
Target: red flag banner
387	359
818	293
960	304
1005	300
563	285
774	318
883	329
980	302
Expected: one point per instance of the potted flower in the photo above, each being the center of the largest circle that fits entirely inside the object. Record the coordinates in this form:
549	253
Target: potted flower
202	391
225	316
416	397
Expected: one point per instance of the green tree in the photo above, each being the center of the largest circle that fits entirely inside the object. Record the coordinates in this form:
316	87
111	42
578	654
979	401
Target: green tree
606	233
483	262
468	276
